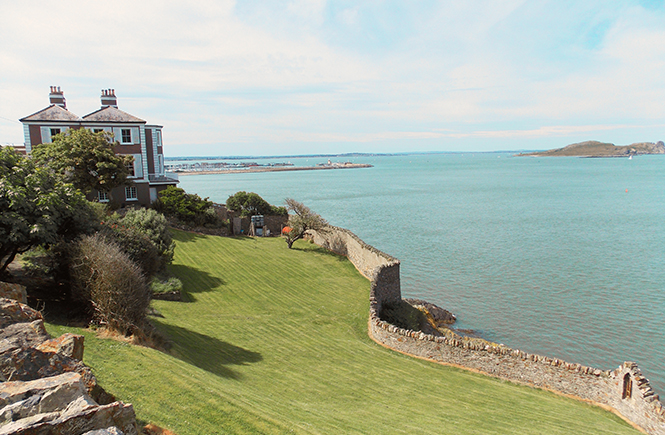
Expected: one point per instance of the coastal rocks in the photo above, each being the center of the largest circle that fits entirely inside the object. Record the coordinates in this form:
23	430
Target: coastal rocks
12	312
25	334
70	345
13	291
439	315
108	431
44	386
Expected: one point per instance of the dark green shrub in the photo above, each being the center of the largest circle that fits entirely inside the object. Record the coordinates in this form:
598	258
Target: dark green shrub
171	284
187	208
137	245
155	227
249	204
104	277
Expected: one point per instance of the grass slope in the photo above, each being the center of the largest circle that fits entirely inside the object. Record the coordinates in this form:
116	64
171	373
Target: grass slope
275	341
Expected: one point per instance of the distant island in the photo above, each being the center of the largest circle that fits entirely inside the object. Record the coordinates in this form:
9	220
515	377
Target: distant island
594	148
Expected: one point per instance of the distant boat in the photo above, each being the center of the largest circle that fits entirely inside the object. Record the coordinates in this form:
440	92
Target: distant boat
630	158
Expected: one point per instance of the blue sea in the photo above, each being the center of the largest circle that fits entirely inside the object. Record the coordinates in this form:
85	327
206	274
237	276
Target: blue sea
562	256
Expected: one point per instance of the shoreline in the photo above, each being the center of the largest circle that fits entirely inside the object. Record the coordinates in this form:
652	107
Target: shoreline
276	169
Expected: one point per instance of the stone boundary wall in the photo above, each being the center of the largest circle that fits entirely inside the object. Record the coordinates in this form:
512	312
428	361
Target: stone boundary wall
623	390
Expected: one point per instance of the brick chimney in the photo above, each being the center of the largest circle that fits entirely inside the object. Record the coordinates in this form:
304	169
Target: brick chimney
57	97
109	98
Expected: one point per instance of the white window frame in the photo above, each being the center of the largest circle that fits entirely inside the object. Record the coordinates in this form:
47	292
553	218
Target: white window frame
122	136
102	196
45	131
131	194
132	169
137	165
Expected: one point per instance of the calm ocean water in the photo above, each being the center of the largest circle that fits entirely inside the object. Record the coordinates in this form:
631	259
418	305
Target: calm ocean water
563	257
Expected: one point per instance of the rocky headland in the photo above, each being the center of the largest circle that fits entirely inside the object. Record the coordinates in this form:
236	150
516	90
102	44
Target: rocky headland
601	149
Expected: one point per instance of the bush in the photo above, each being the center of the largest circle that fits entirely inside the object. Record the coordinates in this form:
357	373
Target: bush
114	287
248	204
172	284
155	227
137	245
187	208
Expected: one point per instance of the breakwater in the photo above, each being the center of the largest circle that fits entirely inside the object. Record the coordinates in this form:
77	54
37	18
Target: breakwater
624	390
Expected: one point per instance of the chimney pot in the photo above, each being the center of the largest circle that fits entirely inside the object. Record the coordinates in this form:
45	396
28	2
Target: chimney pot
108	98
57	97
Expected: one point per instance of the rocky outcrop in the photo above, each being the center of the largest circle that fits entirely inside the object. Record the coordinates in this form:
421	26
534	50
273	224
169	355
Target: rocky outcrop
439	315
44	386
13	291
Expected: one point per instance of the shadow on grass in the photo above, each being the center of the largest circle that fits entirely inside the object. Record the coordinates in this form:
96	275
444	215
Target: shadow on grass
182	236
207	353
194	281
307	247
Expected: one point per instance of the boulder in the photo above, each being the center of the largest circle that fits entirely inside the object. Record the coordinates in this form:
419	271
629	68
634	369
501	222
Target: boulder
20	400
25	334
108	431
12	312
13	291
28	364
68	344
75	421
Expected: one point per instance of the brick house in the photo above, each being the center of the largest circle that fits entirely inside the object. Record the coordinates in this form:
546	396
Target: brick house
133	137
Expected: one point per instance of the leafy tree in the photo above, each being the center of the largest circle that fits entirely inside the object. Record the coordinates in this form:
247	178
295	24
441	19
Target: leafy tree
38	208
302	220
188	208
251	203
85	159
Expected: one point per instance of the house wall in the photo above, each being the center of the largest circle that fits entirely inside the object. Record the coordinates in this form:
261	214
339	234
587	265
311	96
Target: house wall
603	387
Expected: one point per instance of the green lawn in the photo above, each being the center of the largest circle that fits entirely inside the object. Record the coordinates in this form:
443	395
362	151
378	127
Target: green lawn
275	341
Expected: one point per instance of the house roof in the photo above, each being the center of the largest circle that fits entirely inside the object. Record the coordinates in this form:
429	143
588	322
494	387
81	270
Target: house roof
111	114
52	113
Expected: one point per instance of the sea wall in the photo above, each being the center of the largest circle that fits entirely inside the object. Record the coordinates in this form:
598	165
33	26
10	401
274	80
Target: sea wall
623	390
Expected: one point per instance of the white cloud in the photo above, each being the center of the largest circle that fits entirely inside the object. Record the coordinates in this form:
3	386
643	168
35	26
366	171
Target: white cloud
311	71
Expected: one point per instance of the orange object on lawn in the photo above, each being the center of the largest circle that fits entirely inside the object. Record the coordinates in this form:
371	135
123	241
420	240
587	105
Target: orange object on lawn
286	230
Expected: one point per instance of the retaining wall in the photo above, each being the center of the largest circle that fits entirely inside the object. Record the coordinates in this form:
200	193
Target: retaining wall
623	390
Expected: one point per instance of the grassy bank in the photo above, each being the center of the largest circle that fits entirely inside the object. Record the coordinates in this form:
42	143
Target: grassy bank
275	341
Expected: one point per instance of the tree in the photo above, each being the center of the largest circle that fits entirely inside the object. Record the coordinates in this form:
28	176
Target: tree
85	159
186	207
302	220
38	208
249	204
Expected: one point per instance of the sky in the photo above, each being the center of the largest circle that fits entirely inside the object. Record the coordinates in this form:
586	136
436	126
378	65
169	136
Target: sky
260	77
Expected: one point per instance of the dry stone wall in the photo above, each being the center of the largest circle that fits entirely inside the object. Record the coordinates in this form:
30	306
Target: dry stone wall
624	390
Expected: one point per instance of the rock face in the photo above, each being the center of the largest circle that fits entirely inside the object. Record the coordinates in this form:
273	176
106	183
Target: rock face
44	386
439	315
13	291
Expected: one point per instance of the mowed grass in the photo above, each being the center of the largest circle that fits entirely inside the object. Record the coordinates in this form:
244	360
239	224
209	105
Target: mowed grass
275	341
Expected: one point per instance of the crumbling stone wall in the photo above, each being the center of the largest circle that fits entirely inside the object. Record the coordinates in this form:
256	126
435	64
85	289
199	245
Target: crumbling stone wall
624	389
